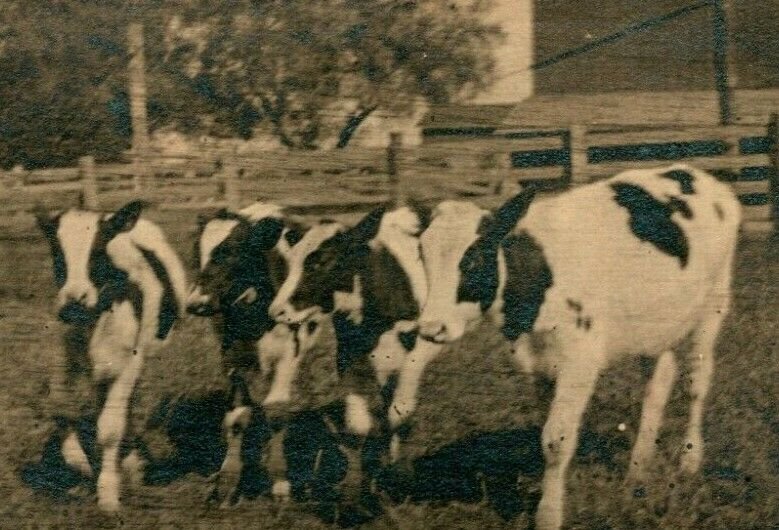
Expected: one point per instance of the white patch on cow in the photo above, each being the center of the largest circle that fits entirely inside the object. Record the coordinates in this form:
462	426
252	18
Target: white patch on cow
76	234
150	237
277	350
350	303
398	233
388	355
239	416
296	257
261	210
454	228
404	401
111	345
214	233
358	416
74	455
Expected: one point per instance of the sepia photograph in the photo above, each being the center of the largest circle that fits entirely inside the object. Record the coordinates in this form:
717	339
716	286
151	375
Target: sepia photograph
389	264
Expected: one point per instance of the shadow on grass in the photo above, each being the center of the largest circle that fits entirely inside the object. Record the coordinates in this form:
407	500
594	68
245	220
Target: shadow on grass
485	467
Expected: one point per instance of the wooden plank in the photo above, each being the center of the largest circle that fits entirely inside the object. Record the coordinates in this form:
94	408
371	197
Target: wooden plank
764	228
756	213
714	162
660	136
751	187
497	144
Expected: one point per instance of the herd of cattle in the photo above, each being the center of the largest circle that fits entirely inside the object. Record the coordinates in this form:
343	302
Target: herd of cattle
631	265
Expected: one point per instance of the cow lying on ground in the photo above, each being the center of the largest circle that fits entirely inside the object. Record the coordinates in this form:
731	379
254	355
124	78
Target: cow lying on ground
631	265
241	262
121	288
370	278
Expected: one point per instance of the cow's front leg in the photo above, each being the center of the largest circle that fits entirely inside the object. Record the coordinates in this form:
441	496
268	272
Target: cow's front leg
575	385
235	424
111	430
276	464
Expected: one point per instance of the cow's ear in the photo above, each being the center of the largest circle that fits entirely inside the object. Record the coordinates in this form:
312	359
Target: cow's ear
508	215
265	233
126	217
423	212
46	221
223	213
202	221
367	228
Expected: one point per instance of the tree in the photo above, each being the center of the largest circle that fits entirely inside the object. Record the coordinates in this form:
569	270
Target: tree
291	63
225	68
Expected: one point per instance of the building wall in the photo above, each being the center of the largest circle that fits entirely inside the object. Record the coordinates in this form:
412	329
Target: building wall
515	55
674	56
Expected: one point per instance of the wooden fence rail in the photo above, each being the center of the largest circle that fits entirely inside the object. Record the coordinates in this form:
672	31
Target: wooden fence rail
485	169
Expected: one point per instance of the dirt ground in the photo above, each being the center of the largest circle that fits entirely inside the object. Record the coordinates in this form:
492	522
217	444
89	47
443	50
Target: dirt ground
472	389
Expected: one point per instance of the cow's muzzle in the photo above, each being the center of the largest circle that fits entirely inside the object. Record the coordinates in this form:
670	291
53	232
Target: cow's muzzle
434	331
73	312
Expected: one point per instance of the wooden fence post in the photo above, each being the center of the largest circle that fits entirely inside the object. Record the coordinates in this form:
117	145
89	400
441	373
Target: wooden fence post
773	135
577	152
230	180
88	183
398	189
137	92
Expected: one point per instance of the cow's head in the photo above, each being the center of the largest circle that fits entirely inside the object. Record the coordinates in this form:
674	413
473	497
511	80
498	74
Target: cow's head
235	262
460	251
323	263
83	270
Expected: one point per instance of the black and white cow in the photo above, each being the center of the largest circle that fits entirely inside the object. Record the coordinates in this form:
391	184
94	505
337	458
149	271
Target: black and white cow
121	288
627	266
371	280
241	259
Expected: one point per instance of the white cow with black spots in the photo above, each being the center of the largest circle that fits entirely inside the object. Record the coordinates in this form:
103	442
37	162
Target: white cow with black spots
627	266
121	288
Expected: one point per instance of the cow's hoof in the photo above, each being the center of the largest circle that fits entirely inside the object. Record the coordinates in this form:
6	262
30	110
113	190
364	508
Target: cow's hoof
108	505
224	491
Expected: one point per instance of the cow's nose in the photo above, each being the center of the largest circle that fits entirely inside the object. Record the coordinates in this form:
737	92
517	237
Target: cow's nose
432	330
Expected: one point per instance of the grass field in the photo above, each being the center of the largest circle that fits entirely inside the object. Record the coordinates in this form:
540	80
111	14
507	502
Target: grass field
471	389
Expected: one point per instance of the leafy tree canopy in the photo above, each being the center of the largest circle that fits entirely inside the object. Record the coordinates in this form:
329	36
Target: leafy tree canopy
225	68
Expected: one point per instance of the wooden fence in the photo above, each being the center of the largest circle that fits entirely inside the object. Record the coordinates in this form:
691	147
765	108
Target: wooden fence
485	169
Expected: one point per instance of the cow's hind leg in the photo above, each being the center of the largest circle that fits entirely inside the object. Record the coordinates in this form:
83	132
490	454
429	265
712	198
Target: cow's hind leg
701	371
111	427
575	384
657	393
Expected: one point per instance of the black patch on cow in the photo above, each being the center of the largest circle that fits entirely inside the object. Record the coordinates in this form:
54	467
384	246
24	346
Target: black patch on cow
169	309
386	299
684	179
408	339
479	264
246	259
49	228
528	277
650	219
294	233
479	273
719	211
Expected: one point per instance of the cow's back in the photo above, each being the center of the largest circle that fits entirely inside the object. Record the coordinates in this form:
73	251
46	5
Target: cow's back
635	256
